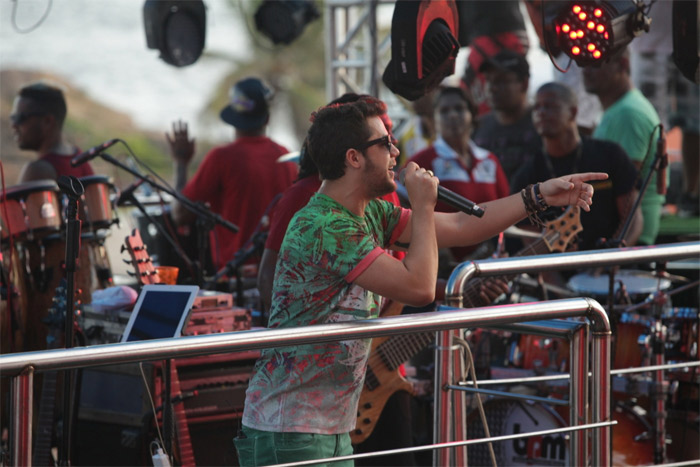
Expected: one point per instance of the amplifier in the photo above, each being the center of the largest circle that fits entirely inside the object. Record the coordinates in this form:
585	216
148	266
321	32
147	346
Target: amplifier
213	386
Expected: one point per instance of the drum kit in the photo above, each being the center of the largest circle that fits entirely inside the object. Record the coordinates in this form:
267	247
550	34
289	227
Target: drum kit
653	425
32	228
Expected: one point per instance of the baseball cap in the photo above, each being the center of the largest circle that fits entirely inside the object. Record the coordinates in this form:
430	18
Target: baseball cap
507	60
248	107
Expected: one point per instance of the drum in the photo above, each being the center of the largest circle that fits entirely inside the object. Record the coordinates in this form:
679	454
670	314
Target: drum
31	210
37	268
682	336
509	417
540	353
97	206
638	285
628	351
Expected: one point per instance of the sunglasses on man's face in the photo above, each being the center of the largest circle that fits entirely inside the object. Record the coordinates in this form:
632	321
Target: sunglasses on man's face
18	119
387	141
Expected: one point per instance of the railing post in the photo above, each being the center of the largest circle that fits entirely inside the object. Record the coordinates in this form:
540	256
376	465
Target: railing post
602	437
449	422
578	395
22	413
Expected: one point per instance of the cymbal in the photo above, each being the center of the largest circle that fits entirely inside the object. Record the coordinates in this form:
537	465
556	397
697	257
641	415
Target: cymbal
289	157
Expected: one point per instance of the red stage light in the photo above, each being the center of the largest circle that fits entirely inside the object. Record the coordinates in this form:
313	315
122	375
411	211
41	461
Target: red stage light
616	22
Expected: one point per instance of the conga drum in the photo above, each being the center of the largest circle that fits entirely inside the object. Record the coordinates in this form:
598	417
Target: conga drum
30	210
97	203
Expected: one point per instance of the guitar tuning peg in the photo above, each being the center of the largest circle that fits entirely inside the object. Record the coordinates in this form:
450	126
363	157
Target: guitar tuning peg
123	249
127	261
131	273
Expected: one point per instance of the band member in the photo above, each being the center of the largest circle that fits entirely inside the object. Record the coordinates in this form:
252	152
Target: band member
37	117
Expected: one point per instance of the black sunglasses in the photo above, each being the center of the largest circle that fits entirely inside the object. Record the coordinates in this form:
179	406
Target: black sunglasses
18	119
387	141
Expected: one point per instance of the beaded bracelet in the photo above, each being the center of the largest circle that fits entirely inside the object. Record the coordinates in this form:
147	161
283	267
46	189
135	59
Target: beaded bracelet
541	203
530	206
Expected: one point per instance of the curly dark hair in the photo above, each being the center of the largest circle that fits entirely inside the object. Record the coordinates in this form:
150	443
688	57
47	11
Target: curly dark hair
462	94
337	128
47	98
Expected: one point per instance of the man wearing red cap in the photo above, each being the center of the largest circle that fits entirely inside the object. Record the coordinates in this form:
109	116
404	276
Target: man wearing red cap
238	180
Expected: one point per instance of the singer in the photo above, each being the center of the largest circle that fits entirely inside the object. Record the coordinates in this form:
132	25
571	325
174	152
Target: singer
37	117
332	267
459	164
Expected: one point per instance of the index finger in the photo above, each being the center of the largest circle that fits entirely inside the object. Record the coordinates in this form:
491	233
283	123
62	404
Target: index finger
586	176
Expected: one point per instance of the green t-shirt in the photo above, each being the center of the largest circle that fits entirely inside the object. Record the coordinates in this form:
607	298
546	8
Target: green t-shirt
630	123
315	388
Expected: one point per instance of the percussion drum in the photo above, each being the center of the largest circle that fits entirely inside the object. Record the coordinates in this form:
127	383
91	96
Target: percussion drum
637	284
31	209
96	206
540	353
509	417
628	350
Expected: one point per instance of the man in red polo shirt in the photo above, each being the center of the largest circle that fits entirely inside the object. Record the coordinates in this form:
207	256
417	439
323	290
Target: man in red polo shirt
238	180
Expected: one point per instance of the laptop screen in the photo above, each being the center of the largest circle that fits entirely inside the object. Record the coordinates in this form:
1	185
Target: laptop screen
161	311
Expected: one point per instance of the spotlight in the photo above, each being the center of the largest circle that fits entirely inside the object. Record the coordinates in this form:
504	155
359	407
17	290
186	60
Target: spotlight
423	46
592	31
284	20
176	28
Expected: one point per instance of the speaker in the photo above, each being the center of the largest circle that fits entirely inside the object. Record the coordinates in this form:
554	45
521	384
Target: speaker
685	38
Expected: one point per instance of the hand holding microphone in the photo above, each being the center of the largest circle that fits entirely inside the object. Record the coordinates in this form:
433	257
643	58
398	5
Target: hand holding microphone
93	152
458	202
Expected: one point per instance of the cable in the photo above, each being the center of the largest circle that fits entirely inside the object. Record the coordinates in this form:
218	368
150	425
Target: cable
545	36
153	407
31	28
472	372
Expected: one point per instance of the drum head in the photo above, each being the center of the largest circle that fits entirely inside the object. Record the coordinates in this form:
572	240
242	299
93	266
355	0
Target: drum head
90	179
636	282
18	191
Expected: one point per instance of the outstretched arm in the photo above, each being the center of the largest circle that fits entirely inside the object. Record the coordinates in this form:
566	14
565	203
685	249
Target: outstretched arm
459	229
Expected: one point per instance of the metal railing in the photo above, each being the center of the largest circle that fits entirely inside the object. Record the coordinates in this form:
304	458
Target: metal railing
22	366
453	428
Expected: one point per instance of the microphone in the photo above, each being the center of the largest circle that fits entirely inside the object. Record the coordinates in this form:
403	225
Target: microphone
663	162
91	153
453	199
127	193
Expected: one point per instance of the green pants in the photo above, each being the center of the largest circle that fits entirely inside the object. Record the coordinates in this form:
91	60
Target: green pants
257	447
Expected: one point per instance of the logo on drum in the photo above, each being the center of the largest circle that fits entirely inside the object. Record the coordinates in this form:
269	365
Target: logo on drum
47	211
542	450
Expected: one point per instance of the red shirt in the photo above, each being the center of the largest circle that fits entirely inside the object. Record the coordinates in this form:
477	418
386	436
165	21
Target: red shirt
61	163
483	181
239	181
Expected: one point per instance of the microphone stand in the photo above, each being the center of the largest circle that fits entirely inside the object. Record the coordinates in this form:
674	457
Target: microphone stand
659	163
73	189
197	208
257	243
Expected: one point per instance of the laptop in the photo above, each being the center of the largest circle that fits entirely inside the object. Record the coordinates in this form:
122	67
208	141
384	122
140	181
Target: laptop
161	311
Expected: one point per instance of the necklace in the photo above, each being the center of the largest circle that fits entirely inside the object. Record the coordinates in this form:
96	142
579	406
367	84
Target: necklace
576	159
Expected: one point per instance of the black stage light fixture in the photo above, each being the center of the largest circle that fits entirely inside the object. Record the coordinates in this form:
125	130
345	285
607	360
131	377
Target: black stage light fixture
284	20
423	46
177	28
592	31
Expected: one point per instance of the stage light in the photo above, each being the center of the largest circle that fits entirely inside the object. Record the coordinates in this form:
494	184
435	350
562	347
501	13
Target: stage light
591	31
284	20
176	28
423	46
